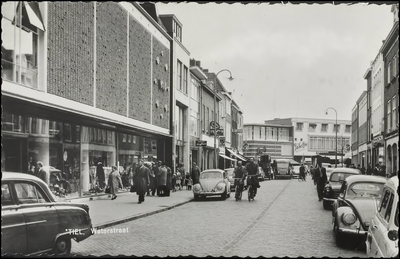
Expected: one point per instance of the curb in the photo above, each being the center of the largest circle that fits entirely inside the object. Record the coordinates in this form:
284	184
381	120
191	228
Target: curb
142	215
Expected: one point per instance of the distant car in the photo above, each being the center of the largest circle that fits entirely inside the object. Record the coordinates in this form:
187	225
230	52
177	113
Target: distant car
282	168
329	168
354	209
383	235
332	188
261	174
33	222
212	182
229	173
296	171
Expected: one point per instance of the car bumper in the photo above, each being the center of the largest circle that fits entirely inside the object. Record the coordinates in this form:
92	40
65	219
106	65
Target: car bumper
208	193
330	200
353	232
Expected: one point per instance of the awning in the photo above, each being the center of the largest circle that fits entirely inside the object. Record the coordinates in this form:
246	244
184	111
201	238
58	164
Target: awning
227	157
236	154
31	16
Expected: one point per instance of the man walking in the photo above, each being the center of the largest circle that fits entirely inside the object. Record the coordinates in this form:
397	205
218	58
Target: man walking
195	173
321	179
142	180
42	173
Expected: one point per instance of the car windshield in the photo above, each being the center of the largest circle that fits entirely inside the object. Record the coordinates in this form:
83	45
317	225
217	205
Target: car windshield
338	177
282	165
365	190
211	175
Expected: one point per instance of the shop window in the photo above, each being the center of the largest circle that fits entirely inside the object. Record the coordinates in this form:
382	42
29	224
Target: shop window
21	23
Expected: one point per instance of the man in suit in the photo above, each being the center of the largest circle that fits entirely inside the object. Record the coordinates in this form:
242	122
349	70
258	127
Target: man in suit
142	180
321	179
42	173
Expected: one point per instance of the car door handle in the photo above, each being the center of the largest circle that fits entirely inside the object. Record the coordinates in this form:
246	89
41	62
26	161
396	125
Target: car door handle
374	227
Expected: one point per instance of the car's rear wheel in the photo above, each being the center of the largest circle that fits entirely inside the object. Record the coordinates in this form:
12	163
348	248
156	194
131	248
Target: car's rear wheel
326	205
62	245
196	197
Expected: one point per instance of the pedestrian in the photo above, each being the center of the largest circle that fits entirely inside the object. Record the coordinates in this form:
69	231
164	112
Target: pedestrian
189	184
114	180
178	179
100	175
239	174
152	177
43	173
321	179
363	170
162	180
187	176
195	173
169	181
182	172
173	180
142	180
376	170
369	169
156	170
31	166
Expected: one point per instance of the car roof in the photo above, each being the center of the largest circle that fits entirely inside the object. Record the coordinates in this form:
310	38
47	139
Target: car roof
393	182
365	178
213	170
18	176
346	170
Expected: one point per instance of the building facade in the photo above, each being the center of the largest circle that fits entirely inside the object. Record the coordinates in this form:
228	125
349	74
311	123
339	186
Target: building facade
90	84
390	52
314	138
273	139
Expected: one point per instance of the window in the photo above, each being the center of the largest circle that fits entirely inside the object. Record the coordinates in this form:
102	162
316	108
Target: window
194	92
204	118
312	127
20	24
347	129
208	118
336	128
394	112
324	127
389	72
185	79
28	193
389	115
179	73
5	195
299	126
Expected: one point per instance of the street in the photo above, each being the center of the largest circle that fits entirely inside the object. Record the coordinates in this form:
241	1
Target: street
285	219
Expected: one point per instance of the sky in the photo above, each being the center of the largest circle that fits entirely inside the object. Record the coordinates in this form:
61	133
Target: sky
287	60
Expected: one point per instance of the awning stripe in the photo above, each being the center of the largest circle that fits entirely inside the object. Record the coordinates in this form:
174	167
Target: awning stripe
227	157
236	155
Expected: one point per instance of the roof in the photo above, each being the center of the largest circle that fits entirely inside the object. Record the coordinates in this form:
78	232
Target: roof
213	170
346	170
19	176
365	178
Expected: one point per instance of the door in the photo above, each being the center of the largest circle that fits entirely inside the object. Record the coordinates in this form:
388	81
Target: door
40	216
13	228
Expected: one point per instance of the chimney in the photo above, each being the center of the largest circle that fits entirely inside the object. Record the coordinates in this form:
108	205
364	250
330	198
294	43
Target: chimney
205	70
198	63
193	62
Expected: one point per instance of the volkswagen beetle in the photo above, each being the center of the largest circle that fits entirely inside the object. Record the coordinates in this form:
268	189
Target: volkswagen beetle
383	237
33	222
354	209
332	188
212	182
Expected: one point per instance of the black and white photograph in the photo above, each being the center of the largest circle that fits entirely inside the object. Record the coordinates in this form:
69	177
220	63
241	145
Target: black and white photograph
200	129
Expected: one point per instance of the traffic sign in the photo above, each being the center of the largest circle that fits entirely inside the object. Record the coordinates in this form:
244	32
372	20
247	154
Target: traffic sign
214	125
201	143
220	132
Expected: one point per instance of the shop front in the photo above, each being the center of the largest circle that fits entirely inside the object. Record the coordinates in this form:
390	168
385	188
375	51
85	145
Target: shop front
71	146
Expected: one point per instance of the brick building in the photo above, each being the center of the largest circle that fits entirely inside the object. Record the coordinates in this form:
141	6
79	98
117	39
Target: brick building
84	83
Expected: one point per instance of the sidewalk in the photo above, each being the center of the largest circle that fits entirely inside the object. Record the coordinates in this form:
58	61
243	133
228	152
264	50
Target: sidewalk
106	212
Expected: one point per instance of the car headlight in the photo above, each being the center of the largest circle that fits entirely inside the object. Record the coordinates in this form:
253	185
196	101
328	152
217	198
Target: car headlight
220	186
197	187
349	218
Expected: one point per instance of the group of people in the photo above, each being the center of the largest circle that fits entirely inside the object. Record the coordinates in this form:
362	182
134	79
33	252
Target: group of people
241	172
148	178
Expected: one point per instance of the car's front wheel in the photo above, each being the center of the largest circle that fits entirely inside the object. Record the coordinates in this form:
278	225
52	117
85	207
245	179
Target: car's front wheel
62	245
338	235
196	197
224	195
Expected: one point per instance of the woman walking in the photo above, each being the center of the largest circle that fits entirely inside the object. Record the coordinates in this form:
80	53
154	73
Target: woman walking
114	179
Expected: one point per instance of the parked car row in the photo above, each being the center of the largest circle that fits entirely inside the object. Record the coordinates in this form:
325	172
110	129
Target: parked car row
364	210
34	222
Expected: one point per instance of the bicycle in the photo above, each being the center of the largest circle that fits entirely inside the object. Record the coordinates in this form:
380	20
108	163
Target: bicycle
238	188
250	190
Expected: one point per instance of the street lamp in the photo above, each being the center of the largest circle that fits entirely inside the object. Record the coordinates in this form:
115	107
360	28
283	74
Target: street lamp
215	116
326	112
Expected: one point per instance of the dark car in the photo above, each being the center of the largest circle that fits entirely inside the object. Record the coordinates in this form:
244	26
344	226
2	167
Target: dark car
33	222
354	209
332	188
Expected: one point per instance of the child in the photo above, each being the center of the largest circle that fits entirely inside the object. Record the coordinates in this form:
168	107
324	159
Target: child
189	184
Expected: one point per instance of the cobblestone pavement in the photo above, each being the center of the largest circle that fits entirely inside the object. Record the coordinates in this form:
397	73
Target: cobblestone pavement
285	219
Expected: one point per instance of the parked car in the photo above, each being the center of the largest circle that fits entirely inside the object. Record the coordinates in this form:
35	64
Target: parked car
355	207
329	168
33	222
213	182
332	188
383	236
229	173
